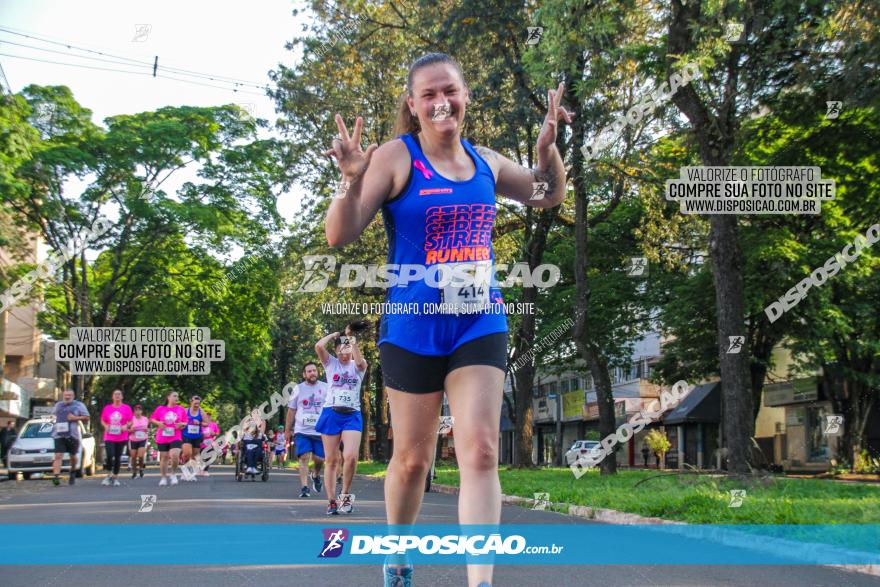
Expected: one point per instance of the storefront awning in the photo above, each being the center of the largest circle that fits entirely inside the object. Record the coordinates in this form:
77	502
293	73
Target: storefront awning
702	404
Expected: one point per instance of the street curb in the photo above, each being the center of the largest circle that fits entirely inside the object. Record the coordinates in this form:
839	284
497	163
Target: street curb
738	539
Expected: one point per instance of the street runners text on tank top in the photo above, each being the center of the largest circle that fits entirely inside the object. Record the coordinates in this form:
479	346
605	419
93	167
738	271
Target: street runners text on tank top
446	227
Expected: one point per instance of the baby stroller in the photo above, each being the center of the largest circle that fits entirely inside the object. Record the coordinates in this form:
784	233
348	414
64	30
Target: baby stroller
262	462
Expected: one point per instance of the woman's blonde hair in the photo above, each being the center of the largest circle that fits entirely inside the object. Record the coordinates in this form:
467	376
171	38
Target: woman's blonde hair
405	122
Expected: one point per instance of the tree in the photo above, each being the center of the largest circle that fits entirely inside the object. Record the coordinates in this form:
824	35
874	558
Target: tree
156	267
659	444
785	47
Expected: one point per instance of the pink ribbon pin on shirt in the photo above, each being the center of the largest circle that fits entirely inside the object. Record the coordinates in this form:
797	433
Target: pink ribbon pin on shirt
421	167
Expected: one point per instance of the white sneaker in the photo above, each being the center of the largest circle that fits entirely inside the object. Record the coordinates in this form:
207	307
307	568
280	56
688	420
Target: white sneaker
346	506
163	482
106	480
174	479
116	483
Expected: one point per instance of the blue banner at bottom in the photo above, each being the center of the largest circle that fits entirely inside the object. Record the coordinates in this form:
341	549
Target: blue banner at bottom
524	544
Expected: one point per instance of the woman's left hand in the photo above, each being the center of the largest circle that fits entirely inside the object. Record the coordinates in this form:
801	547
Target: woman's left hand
555	112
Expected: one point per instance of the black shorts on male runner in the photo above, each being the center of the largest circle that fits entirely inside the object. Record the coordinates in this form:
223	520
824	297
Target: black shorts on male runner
67	444
414	373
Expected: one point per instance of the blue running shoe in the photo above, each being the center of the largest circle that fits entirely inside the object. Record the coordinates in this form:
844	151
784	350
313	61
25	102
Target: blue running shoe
398	576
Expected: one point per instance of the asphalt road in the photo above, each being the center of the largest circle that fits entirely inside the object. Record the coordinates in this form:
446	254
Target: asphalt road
221	500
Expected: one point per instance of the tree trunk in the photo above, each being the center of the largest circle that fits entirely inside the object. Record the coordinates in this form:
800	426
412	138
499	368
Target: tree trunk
380	449
715	136
3	316
523	430
605	400
365	415
761	352
592	356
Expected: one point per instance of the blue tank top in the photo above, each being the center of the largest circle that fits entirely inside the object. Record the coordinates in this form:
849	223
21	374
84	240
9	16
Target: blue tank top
189	421
437	221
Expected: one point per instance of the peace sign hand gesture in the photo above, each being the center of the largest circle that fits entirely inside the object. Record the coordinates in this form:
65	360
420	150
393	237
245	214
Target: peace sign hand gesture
352	160
547	136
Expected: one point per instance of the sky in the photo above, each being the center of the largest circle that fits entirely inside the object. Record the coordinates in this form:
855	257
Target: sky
232	39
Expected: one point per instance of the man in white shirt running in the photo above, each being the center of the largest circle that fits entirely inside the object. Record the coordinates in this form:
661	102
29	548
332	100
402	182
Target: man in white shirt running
304	408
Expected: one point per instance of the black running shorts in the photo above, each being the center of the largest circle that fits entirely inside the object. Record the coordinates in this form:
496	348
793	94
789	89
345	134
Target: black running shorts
166	446
67	444
414	373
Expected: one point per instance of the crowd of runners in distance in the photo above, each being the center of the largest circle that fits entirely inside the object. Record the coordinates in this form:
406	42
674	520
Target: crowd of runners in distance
180	433
323	423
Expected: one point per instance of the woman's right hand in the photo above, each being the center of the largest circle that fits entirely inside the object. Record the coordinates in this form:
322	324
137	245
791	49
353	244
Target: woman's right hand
350	158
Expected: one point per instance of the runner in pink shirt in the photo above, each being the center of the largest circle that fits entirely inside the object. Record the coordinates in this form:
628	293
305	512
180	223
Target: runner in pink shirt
169	420
137	441
115	419
210	430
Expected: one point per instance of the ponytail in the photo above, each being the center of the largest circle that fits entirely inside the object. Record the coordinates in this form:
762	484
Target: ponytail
405	123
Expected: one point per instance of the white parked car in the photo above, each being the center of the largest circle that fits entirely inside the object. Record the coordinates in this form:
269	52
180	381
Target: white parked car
580	449
34	450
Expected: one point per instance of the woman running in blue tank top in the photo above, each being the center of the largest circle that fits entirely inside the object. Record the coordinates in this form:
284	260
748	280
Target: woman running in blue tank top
437	196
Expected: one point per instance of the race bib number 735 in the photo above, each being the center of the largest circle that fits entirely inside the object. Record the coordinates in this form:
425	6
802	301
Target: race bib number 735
344	398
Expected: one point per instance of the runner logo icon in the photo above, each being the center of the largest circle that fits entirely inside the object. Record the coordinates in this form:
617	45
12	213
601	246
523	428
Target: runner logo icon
334	541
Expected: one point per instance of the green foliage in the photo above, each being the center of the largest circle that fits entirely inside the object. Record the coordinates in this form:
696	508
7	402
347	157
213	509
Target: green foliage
658	443
867	464
161	262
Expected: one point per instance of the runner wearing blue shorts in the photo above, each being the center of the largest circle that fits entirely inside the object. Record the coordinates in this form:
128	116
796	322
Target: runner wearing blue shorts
341	417
437	193
304	408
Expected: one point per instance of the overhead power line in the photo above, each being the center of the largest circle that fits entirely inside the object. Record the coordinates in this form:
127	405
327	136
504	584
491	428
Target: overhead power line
147	73
127	61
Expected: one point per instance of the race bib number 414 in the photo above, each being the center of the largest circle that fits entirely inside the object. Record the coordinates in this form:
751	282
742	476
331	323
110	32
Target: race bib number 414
466	286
